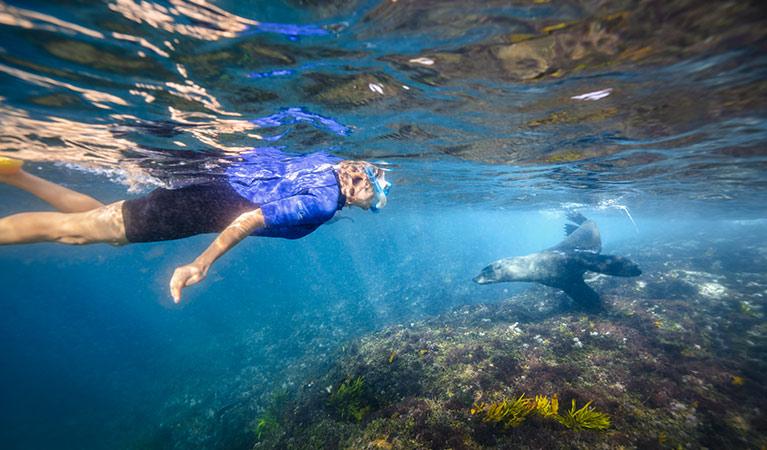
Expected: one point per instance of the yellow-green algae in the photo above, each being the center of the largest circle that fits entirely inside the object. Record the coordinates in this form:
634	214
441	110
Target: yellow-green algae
514	412
269	422
510	413
584	418
349	399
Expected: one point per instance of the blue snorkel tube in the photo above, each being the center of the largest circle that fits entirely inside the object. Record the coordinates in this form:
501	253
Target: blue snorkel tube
381	190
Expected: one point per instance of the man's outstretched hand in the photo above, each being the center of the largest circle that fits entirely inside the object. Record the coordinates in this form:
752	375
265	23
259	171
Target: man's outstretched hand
193	273
186	276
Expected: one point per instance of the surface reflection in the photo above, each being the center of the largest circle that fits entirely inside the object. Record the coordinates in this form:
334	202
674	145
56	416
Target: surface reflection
612	96
24	18
208	22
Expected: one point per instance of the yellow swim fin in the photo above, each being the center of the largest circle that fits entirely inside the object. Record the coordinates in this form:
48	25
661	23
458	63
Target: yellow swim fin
9	165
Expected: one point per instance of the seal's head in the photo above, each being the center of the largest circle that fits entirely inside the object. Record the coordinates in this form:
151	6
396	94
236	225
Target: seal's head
490	274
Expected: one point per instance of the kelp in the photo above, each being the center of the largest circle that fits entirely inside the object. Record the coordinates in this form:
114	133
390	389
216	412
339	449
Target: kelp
584	418
349	399
512	413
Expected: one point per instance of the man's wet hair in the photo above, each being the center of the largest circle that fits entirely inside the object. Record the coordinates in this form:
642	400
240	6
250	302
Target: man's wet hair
355	172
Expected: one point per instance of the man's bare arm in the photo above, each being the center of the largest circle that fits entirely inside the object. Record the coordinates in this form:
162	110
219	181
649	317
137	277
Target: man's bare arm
195	272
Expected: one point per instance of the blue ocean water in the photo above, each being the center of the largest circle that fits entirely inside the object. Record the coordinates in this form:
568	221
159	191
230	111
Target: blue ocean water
494	119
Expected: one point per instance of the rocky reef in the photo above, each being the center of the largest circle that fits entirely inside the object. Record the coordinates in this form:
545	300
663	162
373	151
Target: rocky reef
675	361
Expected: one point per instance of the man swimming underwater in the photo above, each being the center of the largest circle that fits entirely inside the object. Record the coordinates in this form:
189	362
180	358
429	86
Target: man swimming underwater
265	193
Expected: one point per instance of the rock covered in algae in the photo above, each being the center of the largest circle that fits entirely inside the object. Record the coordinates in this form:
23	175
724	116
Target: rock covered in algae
649	372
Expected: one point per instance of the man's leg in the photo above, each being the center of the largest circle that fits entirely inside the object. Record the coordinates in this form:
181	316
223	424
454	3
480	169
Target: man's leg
101	225
61	198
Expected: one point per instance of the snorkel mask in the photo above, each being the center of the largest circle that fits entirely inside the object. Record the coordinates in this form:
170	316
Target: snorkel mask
380	188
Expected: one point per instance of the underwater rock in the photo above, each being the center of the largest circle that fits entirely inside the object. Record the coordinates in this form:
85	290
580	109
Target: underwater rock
105	58
669	370
349	91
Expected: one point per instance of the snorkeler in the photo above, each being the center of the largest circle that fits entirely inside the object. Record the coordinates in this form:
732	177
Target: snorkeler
266	193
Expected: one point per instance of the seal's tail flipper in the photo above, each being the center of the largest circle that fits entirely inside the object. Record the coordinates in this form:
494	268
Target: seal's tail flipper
582	294
569	228
575	216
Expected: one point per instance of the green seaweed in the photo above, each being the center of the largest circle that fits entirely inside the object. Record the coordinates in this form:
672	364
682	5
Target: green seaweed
267	425
546	407
349	399
511	413
269	422
584	418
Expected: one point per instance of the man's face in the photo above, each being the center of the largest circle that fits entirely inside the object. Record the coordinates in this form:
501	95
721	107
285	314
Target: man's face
367	197
370	193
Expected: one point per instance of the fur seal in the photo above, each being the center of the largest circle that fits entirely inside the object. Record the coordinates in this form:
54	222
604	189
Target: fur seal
563	265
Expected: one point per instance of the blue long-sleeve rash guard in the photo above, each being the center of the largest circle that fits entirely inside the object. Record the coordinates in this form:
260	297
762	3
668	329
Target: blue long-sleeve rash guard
296	193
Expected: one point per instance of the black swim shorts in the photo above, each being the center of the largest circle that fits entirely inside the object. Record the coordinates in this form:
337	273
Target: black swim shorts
166	214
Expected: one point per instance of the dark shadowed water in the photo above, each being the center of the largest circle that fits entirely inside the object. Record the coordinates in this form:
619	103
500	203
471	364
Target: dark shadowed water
494	117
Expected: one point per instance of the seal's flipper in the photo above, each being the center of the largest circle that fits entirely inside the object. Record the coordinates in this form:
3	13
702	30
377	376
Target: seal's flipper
584	238
569	228
582	294
618	266
575	216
